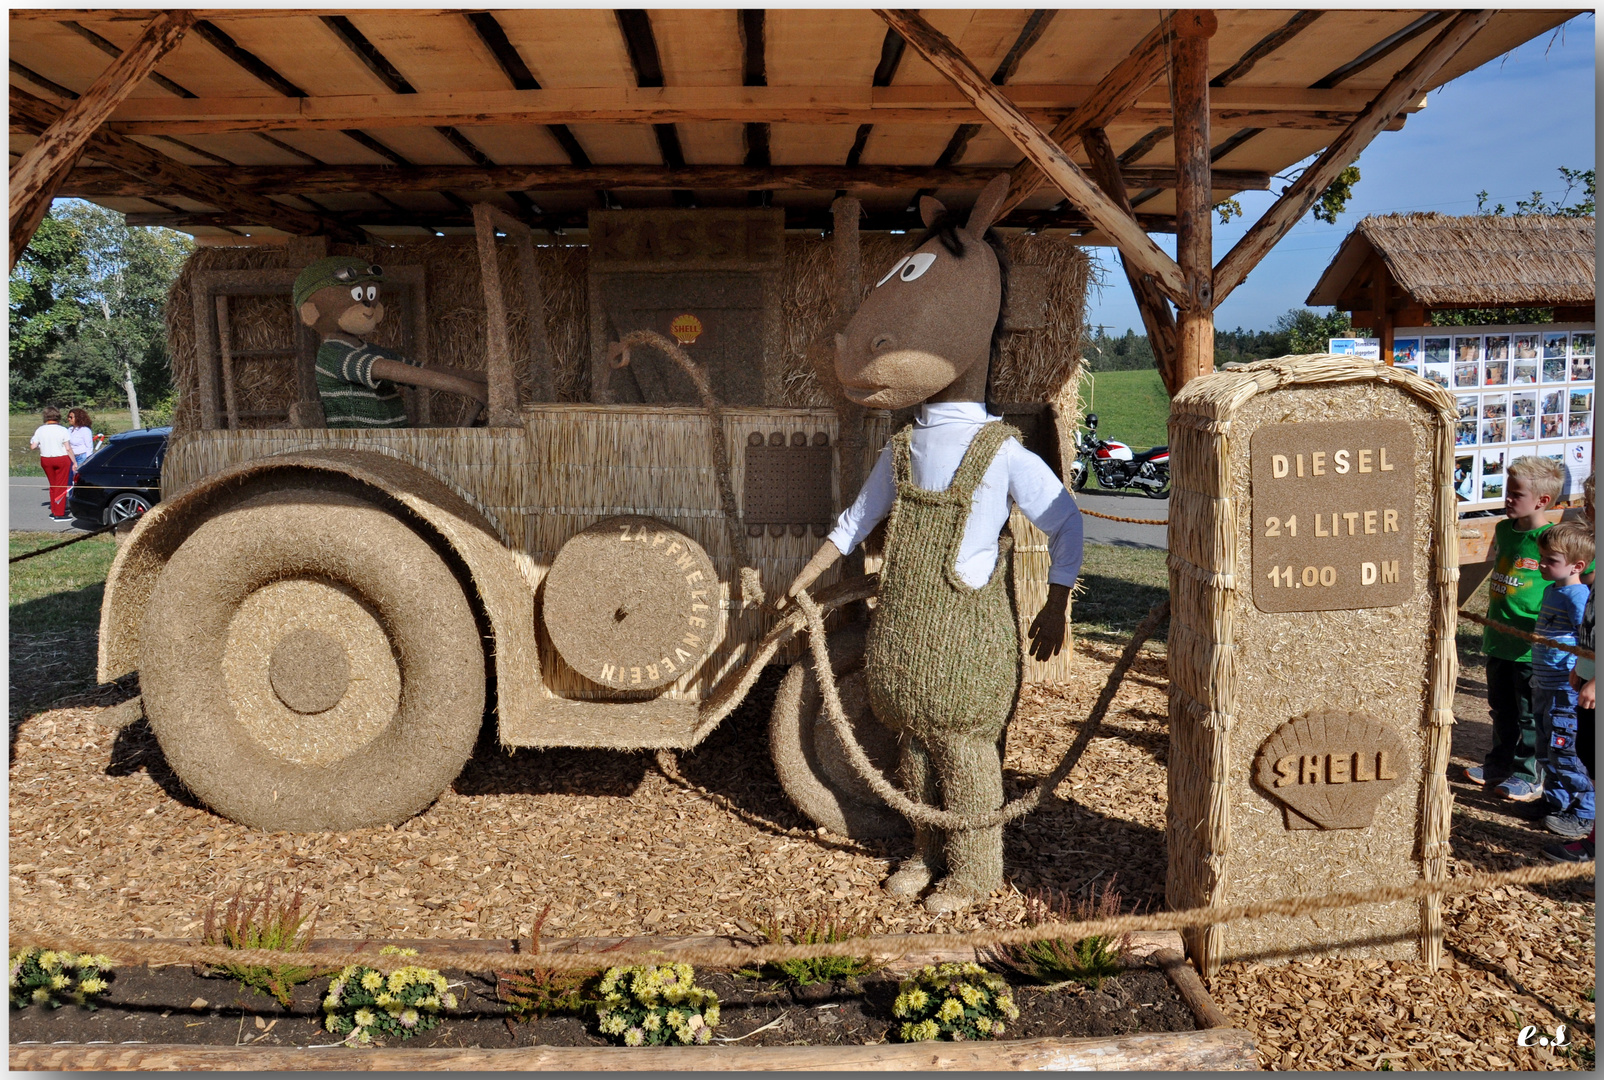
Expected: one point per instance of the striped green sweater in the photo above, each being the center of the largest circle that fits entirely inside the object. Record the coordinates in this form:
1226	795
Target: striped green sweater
351	396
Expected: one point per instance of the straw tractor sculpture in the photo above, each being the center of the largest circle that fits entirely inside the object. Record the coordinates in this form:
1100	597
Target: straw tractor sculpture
321	618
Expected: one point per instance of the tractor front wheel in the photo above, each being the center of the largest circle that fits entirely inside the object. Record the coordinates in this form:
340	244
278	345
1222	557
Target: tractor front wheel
310	663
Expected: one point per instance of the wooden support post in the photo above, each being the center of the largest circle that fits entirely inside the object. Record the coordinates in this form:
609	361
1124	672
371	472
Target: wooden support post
542	369
498	363
1380	296
1194	199
1405	88
225	352
39	172
1114	93
1134	243
848	288
1155	309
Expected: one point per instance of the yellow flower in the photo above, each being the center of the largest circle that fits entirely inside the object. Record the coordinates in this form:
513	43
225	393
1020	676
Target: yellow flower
970	994
365	1017
384	1001
92	985
60	982
712	1015
41	995
332	1023
984	1024
399	980
372	981
49	959
950	1010
451	1001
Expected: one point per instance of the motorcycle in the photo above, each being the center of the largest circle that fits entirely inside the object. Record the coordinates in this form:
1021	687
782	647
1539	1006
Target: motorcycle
1117	466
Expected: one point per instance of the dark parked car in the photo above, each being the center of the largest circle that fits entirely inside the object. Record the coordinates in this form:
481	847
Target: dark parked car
122	479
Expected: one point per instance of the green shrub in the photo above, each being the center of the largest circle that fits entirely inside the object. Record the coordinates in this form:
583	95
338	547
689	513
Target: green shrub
259	924
542	991
46	977
816	969
958	1001
363	1003
655	1004
1056	961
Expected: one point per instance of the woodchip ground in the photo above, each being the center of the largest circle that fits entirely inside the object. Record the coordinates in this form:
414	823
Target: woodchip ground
105	842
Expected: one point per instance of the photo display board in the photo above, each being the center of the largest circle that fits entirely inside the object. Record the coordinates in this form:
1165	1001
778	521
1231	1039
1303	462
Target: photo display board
1521	390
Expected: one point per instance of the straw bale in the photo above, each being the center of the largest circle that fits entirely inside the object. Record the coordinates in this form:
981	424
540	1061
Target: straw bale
1230	664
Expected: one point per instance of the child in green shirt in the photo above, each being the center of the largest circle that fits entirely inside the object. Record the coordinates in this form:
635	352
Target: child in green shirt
1515	598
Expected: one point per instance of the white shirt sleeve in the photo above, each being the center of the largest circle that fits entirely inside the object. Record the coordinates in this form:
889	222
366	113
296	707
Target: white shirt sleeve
1051	508
869	508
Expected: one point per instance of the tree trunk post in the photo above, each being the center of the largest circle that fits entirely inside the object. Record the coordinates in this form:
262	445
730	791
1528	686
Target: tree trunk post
1194	197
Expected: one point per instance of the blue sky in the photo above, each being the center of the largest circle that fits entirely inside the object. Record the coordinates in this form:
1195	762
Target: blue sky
1505	127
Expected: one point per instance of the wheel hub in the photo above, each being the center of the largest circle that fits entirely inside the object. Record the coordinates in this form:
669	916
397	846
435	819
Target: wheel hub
309	671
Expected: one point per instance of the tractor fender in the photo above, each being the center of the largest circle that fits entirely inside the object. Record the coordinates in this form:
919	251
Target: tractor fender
462	533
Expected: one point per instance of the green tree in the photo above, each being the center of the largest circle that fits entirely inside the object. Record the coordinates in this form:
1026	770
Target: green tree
86	299
1307	330
1129	352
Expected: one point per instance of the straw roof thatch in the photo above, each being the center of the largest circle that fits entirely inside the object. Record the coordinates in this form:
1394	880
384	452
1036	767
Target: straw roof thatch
1473	261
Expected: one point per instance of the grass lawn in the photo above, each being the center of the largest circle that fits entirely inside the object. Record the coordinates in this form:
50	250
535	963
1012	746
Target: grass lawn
25	462
1119	586
55	618
1131	407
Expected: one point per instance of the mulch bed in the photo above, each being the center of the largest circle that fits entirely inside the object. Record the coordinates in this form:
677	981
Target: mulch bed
106	843
173	1004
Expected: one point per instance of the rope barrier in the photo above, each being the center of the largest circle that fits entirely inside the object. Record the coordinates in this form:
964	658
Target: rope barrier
64	543
1535	639
133	952
1131	521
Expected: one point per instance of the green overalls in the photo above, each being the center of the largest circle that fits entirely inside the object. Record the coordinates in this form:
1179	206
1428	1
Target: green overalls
943	665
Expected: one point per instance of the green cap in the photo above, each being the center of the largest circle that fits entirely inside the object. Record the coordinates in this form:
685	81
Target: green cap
334	270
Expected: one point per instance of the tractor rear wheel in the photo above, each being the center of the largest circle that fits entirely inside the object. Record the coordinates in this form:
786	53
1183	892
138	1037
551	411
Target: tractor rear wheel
811	762
309	662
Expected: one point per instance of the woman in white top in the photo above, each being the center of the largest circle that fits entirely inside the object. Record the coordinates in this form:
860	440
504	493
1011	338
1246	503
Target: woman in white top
55	456
80	436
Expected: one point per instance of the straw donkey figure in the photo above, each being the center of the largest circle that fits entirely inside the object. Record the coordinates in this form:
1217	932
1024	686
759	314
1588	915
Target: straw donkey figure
943	664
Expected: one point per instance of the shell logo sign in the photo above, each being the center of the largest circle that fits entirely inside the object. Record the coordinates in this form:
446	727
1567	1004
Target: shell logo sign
685	328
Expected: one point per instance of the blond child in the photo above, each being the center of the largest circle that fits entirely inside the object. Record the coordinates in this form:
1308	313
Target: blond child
1566	548
1583	679
1515	596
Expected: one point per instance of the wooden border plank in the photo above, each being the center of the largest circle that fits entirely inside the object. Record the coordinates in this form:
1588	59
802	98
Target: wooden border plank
1405	87
1134	244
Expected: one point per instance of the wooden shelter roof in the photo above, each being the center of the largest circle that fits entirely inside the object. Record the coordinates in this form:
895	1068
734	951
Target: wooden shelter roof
1475	261
395	122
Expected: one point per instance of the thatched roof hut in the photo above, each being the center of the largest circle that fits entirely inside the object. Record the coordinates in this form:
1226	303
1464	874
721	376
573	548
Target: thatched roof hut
1419	263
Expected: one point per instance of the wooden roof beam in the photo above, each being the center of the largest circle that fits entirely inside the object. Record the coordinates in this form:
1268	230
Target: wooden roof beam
170	177
40	171
1286	211
1115	93
98	183
1157	317
1134	243
1266	107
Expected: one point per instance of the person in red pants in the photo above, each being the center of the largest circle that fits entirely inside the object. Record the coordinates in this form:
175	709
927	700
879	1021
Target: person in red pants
55	457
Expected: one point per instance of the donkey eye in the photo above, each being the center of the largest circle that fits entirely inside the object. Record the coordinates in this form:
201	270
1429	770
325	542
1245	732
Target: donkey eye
900	264
917	265
356	292
373	293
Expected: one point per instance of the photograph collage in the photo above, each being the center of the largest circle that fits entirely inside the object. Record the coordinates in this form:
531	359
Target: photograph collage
1520	391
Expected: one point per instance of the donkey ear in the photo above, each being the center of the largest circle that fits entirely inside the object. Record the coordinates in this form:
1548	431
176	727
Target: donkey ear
988	207
929	210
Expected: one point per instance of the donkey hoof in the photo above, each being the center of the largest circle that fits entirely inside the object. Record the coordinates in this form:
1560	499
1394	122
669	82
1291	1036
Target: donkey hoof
950	896
911	878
